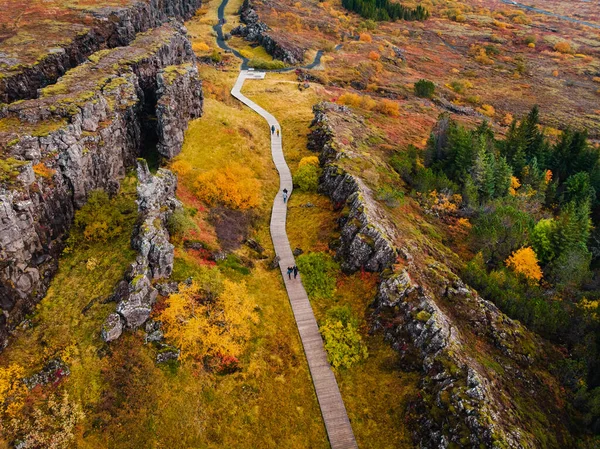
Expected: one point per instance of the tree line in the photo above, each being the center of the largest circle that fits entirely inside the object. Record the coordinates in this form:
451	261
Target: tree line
530	205
385	10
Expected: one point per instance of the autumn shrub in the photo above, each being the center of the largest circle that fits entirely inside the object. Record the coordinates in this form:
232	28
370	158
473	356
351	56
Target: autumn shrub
210	317
100	219
49	423
200	47
12	392
350	99
424	88
388	107
179	223
365	37
318	274
374	56
341	338
43	170
307	175
233	186
563	47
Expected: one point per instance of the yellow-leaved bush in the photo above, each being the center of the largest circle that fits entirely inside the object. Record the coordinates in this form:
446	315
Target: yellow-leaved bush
214	321
233	186
524	261
12	391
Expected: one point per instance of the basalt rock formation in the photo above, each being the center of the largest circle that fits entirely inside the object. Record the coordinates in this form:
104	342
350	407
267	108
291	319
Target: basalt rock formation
156	203
82	134
434	320
256	31
111	27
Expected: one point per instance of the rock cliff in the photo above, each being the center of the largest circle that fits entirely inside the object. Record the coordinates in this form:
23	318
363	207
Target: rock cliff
111	27
82	134
256	31
462	344
135	296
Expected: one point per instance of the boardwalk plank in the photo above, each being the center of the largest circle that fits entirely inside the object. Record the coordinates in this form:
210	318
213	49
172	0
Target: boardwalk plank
330	400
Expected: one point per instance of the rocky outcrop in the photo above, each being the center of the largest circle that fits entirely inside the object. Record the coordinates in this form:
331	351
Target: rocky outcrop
433	319
362	244
80	135
254	30
180	93
156	203
112	27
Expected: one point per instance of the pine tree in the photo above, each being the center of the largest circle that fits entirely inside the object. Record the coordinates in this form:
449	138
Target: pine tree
502	177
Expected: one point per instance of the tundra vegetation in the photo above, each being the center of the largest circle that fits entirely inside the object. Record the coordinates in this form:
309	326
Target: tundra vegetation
475	133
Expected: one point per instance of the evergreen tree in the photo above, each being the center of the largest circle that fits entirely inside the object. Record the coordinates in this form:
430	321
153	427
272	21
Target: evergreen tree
502	177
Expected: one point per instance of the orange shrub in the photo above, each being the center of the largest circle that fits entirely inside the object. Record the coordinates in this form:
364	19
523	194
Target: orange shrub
233	186
389	107
374	56
563	47
181	167
43	171
488	110
365	37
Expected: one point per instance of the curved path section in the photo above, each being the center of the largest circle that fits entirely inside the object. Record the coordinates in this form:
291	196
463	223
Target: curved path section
333	410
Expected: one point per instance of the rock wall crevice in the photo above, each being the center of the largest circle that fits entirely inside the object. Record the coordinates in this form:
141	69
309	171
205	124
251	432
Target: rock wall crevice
82	135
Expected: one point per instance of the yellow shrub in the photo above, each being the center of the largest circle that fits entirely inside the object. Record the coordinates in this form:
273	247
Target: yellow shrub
201	324
488	110
181	167
389	107
200	47
233	186
309	160
555	73
12	391
367	103
524	261
531	45
365	37
350	99
563	47
374	56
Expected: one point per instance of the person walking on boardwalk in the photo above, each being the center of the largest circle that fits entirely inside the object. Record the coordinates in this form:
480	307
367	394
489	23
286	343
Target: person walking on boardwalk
290	270
277	132
295	268
272	129
285	195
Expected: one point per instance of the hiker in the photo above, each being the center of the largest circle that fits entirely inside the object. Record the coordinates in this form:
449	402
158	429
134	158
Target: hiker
272	129
285	195
290	270
295	268
277	132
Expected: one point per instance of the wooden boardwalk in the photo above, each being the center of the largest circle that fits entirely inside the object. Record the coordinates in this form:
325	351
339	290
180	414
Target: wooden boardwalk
333	410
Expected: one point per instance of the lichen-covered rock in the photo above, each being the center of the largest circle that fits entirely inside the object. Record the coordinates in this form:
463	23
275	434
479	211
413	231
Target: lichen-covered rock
112	328
256	31
52	372
180	100
362	244
85	136
156	203
113	27
167	353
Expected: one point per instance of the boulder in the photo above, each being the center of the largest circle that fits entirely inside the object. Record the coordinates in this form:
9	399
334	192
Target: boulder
112	328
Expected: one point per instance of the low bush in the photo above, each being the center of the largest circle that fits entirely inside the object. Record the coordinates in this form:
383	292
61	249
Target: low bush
307	175
424	88
342	340
318	274
100	219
